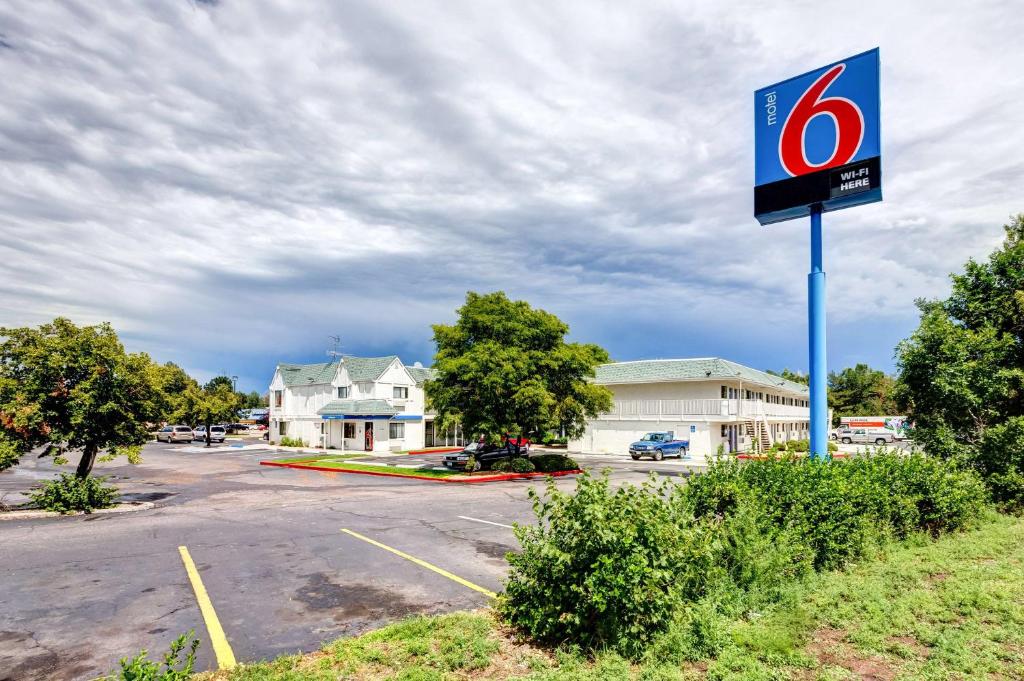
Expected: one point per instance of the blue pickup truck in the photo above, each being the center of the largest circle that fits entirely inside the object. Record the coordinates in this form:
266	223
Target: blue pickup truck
659	445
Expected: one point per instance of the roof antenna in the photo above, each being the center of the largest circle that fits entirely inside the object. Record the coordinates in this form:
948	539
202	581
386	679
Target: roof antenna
337	344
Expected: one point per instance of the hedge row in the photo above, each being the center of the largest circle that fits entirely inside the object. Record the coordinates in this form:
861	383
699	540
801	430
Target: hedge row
624	567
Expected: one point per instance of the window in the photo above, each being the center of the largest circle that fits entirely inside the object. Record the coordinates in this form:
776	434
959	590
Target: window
342	392
282	428
725	392
400	393
278	397
350	430
396	431
724	430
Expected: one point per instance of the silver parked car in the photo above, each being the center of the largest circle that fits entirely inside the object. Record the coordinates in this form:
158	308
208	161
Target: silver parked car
217	433
174	434
866	435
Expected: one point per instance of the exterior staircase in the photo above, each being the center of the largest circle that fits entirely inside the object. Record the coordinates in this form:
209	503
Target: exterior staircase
758	434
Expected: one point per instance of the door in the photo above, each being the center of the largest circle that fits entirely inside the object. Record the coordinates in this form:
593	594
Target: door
368	435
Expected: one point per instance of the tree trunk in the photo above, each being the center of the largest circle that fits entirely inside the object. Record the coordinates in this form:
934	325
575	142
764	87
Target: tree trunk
208	439
87	460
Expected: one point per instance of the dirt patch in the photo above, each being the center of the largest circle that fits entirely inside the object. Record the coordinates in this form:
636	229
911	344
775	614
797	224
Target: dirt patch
909	642
937	578
829	647
354	601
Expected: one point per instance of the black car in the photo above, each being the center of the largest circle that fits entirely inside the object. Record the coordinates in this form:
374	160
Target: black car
484	455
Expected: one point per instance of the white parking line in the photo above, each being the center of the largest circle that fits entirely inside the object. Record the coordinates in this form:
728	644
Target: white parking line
489	522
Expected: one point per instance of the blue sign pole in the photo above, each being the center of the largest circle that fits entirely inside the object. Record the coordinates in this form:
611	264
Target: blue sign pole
816	342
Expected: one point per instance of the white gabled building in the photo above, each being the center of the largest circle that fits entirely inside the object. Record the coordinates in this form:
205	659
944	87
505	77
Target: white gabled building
354	403
709	401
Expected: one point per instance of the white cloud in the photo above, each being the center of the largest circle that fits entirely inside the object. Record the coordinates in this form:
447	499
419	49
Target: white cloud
355	167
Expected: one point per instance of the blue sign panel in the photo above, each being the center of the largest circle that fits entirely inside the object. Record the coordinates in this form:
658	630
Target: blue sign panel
818	141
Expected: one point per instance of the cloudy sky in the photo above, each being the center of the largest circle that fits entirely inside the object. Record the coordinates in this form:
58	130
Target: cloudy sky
230	182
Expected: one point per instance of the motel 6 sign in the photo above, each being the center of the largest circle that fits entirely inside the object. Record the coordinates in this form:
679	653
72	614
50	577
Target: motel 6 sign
817	141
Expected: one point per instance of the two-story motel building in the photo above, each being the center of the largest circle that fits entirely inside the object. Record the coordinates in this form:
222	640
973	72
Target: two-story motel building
709	401
354	403
378	404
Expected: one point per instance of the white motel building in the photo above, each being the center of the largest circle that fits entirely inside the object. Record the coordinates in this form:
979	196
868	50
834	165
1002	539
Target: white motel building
709	401
355	403
377	404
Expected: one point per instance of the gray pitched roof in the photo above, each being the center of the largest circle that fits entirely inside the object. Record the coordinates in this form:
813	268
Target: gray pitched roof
660	370
358	408
306	374
359	369
420	374
367	368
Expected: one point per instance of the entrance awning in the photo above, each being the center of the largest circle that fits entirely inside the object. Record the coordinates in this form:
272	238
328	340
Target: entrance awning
357	409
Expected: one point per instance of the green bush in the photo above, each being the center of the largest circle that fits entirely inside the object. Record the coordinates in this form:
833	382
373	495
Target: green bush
553	439
801	446
999	458
70	493
521	464
552	463
292	442
649	568
605	567
843	508
502	465
139	668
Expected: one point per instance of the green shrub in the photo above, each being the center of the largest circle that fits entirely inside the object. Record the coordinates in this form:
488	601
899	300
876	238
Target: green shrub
999	458
139	668
521	464
551	463
606	567
292	442
502	465
70	493
843	508
470	463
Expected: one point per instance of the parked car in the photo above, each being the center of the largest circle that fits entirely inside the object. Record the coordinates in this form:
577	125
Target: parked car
485	455
659	445
217	433
174	434
865	435
237	428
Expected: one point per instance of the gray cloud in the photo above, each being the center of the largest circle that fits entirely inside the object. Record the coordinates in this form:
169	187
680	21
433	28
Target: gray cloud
228	182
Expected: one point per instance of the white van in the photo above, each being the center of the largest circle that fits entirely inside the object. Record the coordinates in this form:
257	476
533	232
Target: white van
877	436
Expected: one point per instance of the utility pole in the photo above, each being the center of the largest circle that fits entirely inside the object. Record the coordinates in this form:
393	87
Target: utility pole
335	352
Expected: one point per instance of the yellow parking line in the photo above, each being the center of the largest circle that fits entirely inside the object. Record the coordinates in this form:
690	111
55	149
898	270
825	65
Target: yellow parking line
221	648
423	563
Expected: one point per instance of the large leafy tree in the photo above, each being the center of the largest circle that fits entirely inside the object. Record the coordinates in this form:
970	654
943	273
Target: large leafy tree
214	403
861	391
505	367
73	389
789	375
961	374
172	382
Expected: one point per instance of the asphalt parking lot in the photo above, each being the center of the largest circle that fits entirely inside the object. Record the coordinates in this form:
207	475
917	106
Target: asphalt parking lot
287	559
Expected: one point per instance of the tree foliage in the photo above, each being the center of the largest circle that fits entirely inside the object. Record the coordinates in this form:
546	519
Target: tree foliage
861	391
789	375
214	403
505	367
961	374
73	389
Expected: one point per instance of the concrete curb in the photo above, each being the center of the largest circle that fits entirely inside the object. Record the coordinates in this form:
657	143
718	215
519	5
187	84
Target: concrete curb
34	514
386	474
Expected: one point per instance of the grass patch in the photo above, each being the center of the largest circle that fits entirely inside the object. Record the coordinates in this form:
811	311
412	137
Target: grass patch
347	466
946	609
308	458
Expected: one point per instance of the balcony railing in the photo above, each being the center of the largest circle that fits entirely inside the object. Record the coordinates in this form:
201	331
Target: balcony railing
646	410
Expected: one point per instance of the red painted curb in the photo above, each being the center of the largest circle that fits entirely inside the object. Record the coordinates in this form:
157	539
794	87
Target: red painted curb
383	474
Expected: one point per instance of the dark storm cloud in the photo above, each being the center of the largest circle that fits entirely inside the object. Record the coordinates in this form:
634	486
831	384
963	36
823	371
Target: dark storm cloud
355	167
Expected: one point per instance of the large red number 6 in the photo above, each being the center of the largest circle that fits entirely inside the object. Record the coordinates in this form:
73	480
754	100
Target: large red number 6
848	119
